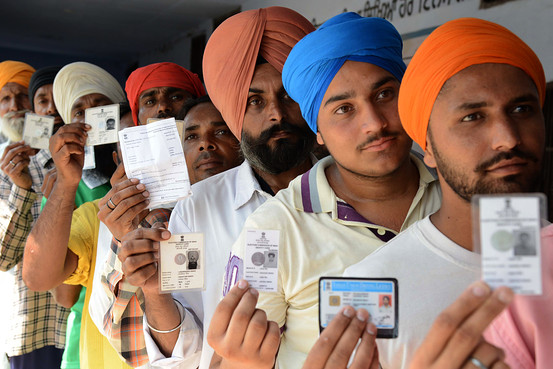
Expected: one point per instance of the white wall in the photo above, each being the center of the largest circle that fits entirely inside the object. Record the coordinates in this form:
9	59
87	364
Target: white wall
531	20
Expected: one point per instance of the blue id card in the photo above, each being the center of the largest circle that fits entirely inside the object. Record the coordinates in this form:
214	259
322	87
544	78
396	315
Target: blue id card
379	296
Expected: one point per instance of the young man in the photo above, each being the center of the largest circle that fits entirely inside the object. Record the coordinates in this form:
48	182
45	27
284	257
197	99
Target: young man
345	77
476	112
35	335
159	90
242	68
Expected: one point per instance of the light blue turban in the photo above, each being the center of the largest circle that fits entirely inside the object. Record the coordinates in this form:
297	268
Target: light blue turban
315	60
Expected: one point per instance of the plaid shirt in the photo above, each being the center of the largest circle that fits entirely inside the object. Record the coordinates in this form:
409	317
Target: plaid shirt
36	320
123	321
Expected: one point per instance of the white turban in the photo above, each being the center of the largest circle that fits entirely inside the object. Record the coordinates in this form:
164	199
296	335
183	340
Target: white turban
78	79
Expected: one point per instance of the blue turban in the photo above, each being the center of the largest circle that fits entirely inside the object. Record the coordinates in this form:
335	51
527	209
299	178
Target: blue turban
315	60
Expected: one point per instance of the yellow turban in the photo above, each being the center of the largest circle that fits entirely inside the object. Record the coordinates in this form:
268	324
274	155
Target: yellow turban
14	71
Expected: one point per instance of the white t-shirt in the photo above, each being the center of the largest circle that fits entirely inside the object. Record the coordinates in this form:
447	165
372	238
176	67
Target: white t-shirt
320	235
432	271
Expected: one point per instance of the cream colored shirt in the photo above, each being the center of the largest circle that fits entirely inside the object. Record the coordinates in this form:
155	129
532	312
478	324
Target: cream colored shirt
320	235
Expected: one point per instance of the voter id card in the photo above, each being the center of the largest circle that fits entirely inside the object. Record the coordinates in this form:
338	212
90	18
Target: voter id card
506	231
379	296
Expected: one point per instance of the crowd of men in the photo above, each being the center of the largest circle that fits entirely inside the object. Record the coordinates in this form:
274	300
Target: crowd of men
81	246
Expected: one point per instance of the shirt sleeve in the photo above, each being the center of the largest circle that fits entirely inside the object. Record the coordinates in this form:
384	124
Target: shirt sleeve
84	230
16	221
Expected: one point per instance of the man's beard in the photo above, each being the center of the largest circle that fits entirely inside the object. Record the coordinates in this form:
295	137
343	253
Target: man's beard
461	184
285	155
12	125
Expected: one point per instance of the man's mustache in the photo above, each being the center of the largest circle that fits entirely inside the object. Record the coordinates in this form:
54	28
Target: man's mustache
506	155
376	137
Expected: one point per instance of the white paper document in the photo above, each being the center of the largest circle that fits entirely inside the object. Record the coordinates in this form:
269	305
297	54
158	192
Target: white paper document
181	263
37	130
153	154
104	121
261	260
510	242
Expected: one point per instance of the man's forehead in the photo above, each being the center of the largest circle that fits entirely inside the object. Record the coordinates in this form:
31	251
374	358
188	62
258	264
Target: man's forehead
265	75
13	87
162	90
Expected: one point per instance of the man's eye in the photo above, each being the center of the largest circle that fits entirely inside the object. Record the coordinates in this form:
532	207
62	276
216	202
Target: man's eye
384	94
176	97
471	117
522	109
149	102
343	109
190	137
78	113
221	132
254	101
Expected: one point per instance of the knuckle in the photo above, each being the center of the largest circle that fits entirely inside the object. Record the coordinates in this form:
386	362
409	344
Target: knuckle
467	334
446	321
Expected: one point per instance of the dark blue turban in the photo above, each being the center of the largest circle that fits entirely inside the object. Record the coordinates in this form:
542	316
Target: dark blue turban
43	76
315	60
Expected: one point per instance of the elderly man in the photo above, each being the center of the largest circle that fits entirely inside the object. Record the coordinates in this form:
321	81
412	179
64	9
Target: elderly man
242	65
159	90
476	112
77	86
37	335
345	76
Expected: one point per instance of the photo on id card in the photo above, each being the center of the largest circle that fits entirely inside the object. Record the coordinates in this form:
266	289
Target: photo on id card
182	263
506	232
104	122
379	296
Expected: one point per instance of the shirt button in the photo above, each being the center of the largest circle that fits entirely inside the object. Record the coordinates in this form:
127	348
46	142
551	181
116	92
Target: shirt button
381	231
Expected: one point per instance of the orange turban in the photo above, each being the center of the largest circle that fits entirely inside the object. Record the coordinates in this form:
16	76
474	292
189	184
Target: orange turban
14	71
452	47
160	75
231	53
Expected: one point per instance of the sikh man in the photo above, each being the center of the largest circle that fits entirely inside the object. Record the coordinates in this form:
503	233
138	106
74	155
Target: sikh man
36	336
48	262
345	76
242	68
159	90
210	148
476	111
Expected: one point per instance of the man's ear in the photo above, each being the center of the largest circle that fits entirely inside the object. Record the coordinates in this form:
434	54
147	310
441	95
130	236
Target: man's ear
320	140
429	159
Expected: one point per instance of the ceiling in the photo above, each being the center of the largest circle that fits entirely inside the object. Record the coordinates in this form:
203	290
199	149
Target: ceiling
102	28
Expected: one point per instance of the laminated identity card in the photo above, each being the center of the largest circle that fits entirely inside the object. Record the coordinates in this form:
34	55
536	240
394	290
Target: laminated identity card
182	263
104	121
261	259
37	130
379	296
506	231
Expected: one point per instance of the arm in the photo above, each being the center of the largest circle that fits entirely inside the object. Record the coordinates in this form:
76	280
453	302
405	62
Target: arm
47	261
16	204
66	295
180	347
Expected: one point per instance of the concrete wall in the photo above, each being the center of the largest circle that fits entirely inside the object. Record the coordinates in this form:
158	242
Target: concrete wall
531	20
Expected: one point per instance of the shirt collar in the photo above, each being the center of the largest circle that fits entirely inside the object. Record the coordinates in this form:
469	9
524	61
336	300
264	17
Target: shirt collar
43	157
246	185
316	196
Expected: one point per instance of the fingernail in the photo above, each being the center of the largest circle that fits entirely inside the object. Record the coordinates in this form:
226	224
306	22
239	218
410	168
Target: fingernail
145	194
242	284
371	329
480	290
156	245
254	292
505	296
348	311
134	180
140	186
88	126
165	235
361	315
